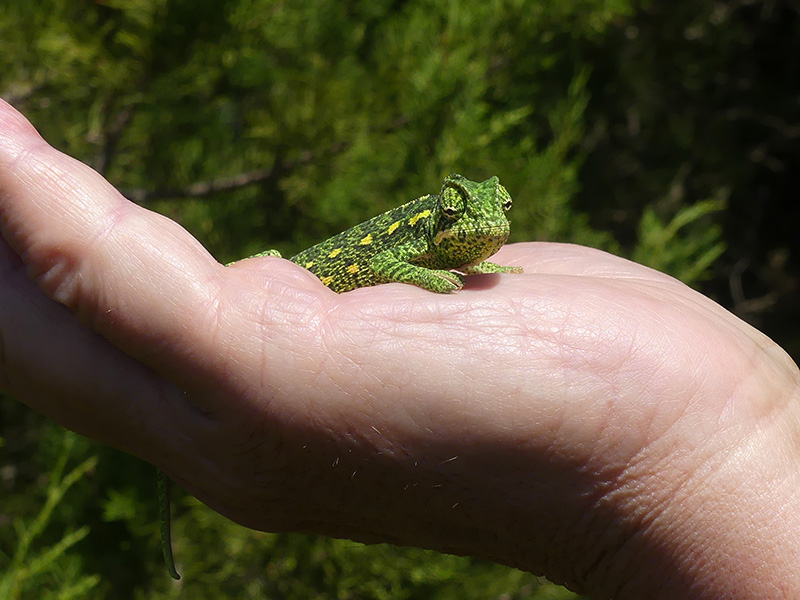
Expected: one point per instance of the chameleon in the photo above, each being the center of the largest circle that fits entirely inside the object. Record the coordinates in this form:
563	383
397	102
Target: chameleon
430	242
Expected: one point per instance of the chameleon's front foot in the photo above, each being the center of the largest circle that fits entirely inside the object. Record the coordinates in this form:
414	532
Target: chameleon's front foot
441	281
489	267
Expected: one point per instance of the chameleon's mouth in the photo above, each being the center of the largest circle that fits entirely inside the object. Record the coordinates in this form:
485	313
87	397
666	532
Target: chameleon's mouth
470	247
492	234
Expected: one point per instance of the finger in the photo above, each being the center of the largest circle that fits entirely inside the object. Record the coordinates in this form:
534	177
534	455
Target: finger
133	276
54	365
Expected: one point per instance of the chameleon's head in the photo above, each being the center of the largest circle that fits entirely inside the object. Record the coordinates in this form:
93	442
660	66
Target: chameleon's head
472	223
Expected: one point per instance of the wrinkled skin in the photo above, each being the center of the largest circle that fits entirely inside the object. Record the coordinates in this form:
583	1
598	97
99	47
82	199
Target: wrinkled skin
590	419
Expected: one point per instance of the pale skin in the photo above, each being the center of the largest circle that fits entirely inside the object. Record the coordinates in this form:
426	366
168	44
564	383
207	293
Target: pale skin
591	419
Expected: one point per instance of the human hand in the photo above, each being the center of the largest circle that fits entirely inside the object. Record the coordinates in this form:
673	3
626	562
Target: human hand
591	419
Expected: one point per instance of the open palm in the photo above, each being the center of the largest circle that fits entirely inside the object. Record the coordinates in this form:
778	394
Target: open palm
591	418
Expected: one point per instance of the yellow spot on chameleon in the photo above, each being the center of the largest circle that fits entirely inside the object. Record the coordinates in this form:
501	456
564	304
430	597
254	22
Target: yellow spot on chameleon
352	269
309	264
334	253
413	220
393	226
327	280
367	240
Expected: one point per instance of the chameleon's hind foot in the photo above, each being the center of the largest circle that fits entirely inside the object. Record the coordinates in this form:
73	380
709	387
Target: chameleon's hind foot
264	253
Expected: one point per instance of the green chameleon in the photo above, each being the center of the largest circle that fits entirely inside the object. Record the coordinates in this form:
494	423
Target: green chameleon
431	242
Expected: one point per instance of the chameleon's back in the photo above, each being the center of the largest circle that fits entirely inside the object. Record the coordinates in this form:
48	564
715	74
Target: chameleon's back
420	241
342	261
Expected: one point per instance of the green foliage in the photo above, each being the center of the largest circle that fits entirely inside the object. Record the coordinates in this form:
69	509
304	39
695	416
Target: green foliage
705	91
35	568
686	246
247	564
336	110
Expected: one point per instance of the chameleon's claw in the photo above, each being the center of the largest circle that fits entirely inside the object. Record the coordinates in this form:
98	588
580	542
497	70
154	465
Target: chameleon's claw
444	282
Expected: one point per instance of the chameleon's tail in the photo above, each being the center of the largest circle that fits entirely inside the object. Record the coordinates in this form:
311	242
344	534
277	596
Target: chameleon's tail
166	534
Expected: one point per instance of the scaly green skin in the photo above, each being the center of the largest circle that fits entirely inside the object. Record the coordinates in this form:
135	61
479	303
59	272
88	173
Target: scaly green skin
428	242
418	242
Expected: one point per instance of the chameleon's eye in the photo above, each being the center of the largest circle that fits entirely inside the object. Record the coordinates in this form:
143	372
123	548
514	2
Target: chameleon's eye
452	203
